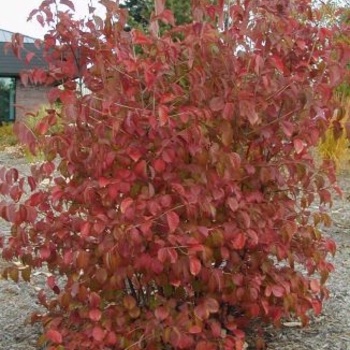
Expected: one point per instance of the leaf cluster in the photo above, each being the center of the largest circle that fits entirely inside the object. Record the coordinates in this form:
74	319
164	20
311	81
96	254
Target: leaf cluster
174	199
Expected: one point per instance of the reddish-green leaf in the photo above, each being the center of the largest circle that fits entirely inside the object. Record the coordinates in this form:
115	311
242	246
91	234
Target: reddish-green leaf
129	302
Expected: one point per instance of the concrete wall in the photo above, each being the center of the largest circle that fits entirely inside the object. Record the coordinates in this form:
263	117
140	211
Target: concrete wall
29	98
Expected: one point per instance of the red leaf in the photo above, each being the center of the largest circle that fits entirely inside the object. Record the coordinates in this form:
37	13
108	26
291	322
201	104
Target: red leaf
216	329
98	334
168	156
162	255
85	229
212	305
278	63
29	57
163	112
161	313
42	127
167	17
228	112
165	201
134	153
317	307
48	168
173	256
315	285
235	160
140	169
287	127
150	78
253	117
140	38
10	211
201	311
325	196
195	266
45	253
11	176
54	336
167	97
330	246
335	75
159	165
232	203
205	345
94	300
195	329
125	204
277	291
24	78
238	242
217	104
159	6
95	315
298	145
173	221
129	302
111	338
32	183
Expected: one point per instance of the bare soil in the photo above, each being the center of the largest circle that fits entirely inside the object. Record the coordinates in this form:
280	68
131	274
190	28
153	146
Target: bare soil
330	330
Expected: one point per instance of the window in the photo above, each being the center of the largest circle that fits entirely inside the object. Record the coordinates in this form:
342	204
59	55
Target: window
7	99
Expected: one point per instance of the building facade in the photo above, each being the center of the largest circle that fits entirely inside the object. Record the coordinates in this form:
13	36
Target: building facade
15	98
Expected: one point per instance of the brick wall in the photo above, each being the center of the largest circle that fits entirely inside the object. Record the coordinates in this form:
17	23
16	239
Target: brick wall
29	98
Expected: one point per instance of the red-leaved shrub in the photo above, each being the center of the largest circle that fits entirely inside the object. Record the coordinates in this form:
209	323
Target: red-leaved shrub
179	188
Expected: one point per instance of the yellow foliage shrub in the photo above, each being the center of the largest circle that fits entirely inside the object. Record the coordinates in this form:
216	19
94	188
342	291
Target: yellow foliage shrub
337	149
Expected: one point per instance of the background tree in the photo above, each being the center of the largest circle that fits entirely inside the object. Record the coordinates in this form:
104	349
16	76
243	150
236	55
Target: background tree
140	12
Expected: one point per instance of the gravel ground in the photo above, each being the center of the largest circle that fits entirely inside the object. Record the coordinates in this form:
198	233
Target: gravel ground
330	330
17	301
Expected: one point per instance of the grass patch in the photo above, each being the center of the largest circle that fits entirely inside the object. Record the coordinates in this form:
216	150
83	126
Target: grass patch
7	136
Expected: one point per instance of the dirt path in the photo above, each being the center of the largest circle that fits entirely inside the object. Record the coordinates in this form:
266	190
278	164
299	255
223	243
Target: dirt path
331	330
